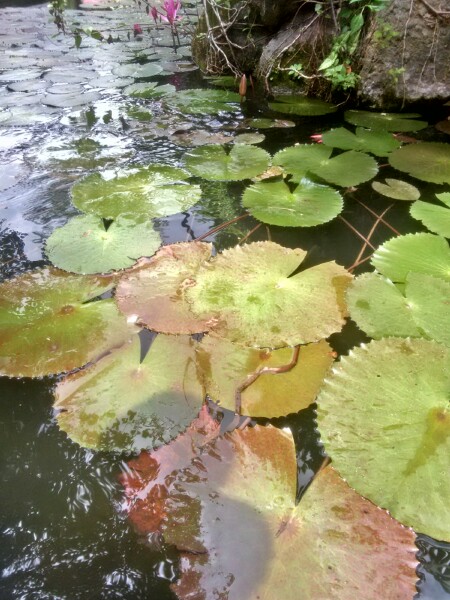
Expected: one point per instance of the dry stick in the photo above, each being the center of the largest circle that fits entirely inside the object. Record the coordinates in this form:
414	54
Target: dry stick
369	235
372	212
356	231
219	227
262	370
250	233
361	262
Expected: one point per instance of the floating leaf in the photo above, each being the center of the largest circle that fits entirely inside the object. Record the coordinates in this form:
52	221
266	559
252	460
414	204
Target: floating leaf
149	90
428	161
153	292
396	189
230	511
300	105
49	322
251	297
154	191
225	366
388	431
203	102
215	163
376	142
443	126
435	217
268	123
420	253
298	160
20	75
85	246
385	121
124	405
70	100
137	71
307	205
249	138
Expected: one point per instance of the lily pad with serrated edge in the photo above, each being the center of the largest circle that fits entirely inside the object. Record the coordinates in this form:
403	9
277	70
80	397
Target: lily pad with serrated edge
124	405
301	106
396	189
84	245
309	204
347	169
137	71
50	323
250	297
428	161
149	90
224	366
417	252
385	121
298	160
380	143
249	138
435	217
153	191
203	102
153	293
228	504
388	431
215	163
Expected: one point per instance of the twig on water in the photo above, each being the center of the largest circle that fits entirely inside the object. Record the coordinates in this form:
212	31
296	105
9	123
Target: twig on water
219	227
369	235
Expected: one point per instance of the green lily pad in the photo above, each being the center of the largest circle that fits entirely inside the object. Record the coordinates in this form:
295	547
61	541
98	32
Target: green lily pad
298	160
85	246
203	102
250	296
249	138
380	143
385	121
70	99
388	431
301	106
428	161
225	81
307	205
121	404
153	191
419	252
49	323
396	189
149	90
224	366
263	123
228	505
215	163
153	294
436	218
137	71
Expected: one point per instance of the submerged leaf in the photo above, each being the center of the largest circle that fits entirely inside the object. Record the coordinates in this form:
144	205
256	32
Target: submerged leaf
84	246
302	106
203	102
307	205
435	217
213	162
152	192
379	143
428	161
49	322
396	189
385	121
124	405
388	431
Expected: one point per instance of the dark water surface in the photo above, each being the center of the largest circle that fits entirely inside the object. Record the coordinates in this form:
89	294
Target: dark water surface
64	535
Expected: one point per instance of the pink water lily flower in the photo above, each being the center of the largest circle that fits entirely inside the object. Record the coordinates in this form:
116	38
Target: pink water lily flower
154	13
316	137
137	29
171	8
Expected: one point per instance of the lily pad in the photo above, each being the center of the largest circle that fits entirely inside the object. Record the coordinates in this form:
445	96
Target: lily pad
385	121
215	163
428	161
224	366
149	90
85	246
301	106
137	71
396	189
251	297
124	405
230	511
298	160
436	218
249	138
419	252
387	432
203	102
380	143
153	191
307	205
69	100
153	294
263	123
20	74
49	322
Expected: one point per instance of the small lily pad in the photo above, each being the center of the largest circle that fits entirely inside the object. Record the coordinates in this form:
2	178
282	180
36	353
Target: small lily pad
153	191
249	138
298	160
309	204
137	71
428	161
215	163
69	100
435	217
262	123
396	189
85	246
203	102
380	143
123	404
19	74
385	121
149	90
301	106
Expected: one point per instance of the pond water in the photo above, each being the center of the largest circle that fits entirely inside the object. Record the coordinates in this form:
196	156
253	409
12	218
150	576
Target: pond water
64	531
